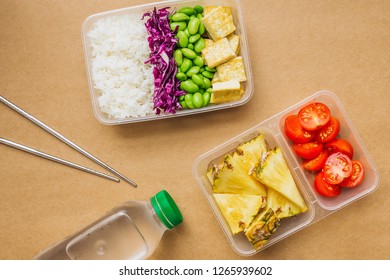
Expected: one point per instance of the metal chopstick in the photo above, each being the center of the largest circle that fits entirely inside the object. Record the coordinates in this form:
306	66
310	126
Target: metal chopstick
64	139
56	159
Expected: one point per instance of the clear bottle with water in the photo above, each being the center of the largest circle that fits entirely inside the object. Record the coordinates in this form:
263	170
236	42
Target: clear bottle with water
132	230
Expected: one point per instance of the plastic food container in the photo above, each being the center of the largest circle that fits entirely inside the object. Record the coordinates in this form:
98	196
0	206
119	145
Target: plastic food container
140	10
318	206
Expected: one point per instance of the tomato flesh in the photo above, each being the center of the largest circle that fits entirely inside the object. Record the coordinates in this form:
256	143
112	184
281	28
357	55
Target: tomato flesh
325	189
340	145
356	177
316	163
329	131
338	166
314	116
295	132
308	150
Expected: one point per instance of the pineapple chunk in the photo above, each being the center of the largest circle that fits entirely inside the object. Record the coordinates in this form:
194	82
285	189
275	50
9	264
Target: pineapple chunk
234	178
282	207
262	227
239	209
273	172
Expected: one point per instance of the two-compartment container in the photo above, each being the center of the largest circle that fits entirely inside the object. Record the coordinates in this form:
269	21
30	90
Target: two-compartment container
138	11
318	206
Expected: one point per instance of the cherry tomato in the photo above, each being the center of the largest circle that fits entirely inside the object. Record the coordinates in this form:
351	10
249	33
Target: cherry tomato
337	167
340	145
314	116
317	163
356	177
308	150
325	189
295	131
329	131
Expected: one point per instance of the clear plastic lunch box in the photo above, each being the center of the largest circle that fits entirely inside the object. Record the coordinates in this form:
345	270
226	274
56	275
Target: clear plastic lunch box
140	10
318	206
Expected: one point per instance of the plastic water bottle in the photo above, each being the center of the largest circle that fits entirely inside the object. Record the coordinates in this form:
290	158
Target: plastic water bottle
131	231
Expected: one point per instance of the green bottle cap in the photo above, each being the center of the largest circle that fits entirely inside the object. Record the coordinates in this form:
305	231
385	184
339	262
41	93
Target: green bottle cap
166	209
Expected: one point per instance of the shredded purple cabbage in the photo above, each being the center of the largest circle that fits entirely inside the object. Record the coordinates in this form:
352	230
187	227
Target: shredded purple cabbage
162	43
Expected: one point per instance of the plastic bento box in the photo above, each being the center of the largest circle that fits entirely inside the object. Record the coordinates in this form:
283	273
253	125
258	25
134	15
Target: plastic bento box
139	11
318	206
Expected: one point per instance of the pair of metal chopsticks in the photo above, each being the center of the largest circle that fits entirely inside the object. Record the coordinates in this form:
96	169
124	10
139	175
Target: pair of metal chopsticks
66	141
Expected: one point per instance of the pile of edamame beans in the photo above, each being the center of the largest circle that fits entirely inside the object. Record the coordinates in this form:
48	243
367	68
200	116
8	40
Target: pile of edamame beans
194	75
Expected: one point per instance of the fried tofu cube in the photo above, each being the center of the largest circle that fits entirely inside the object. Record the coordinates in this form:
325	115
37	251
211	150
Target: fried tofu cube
217	53
208	9
226	91
219	22
232	70
234	41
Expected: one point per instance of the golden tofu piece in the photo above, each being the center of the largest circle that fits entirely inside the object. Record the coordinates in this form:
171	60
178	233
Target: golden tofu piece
208	9
208	43
226	91
219	52
234	41
232	70
215	78
219	22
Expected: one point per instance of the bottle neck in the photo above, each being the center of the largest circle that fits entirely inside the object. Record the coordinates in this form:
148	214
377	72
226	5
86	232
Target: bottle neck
156	218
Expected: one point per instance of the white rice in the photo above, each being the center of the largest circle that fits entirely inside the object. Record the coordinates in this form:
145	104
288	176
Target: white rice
119	51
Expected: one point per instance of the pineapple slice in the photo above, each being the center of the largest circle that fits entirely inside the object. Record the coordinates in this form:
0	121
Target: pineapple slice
282	207
262	227
239	210
273	172
234	176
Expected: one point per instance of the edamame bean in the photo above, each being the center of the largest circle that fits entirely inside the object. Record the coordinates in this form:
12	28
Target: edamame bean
197	100
181	25
201	29
183	104
198	79
210	69
186	65
181	76
193	25
198	61
199	45
207	83
188	53
190	46
193	70
208	74
183	39
187	32
180	17
189	86
188	99
206	98
198	9
192	39
187	10
178	57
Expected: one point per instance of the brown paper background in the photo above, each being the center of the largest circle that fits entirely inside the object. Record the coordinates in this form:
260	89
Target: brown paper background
296	48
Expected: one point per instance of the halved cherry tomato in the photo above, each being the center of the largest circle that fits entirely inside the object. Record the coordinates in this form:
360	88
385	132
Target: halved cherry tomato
339	145
316	163
337	167
314	116
329	131
356	177
308	150
295	131
325	189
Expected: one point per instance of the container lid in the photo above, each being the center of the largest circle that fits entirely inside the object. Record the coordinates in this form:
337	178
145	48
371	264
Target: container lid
166	209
